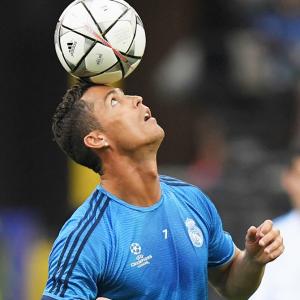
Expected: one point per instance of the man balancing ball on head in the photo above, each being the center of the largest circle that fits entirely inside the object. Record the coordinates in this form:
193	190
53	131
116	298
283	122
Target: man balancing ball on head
141	235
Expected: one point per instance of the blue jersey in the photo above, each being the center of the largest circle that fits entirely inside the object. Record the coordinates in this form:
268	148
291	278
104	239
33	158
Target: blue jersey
116	250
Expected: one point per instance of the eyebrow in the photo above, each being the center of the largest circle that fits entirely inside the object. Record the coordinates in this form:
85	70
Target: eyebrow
114	91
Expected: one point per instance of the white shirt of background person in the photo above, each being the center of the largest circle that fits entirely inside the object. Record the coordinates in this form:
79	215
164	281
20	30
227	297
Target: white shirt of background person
281	280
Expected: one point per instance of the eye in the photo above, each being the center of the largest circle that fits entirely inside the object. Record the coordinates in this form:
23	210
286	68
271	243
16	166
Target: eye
114	102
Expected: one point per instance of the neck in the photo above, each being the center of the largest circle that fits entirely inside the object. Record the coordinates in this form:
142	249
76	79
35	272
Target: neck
134	180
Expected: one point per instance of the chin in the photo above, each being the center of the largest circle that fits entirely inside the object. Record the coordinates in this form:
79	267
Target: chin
162	134
157	137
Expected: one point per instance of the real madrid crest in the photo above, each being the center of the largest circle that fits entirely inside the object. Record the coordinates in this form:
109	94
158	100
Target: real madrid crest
195	233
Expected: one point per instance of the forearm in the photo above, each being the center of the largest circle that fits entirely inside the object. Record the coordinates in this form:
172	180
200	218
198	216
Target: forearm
242	278
239	279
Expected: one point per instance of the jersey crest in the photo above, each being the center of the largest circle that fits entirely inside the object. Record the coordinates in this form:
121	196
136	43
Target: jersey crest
195	233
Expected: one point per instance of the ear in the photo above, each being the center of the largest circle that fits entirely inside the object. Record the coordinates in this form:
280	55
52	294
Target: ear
95	140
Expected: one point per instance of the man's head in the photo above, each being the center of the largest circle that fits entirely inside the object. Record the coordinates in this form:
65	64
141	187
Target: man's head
94	119
72	121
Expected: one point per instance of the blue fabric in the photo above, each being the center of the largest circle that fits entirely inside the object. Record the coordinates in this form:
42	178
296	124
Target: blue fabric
47	298
116	250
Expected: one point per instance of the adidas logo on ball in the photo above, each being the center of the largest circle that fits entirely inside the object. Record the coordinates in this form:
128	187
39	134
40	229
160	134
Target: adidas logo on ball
71	47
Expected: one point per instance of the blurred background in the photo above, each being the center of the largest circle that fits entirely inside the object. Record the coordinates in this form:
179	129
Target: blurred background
222	78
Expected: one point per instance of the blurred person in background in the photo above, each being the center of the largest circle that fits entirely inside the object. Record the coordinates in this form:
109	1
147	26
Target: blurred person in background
281	279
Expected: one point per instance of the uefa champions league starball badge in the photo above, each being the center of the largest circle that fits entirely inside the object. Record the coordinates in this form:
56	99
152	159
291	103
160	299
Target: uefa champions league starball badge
195	233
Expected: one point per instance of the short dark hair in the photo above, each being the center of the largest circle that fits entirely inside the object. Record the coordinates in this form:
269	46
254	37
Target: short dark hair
71	122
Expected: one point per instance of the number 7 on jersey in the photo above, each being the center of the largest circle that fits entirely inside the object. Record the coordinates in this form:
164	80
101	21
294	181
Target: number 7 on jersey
165	232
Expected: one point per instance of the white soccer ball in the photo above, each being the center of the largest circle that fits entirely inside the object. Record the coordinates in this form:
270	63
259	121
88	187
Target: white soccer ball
101	41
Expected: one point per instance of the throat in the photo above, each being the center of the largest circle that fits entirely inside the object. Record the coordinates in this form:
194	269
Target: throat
134	189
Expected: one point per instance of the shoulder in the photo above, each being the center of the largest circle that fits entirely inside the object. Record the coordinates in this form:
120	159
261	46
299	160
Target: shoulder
288	222
82	214
177	183
183	189
77	251
287	217
189	193
76	235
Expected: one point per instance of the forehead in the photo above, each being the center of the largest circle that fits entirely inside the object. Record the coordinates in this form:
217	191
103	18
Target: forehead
97	94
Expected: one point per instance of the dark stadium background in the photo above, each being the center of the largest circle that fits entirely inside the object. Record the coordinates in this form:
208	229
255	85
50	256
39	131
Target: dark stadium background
221	77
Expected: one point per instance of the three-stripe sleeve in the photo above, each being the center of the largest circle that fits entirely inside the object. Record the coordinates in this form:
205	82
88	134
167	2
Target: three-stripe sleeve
73	268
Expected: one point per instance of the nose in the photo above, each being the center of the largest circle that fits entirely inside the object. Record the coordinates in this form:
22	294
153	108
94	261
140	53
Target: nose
137	100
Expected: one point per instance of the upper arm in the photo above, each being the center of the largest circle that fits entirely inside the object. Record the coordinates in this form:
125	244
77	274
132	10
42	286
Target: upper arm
73	271
221	248
217	275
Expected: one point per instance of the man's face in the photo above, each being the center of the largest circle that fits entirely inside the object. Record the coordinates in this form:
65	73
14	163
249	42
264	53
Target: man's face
126	122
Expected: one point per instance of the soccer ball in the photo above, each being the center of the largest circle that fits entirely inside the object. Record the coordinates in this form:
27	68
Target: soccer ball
100	41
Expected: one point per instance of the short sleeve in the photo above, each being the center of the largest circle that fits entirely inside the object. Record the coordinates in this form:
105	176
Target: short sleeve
221	247
72	270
